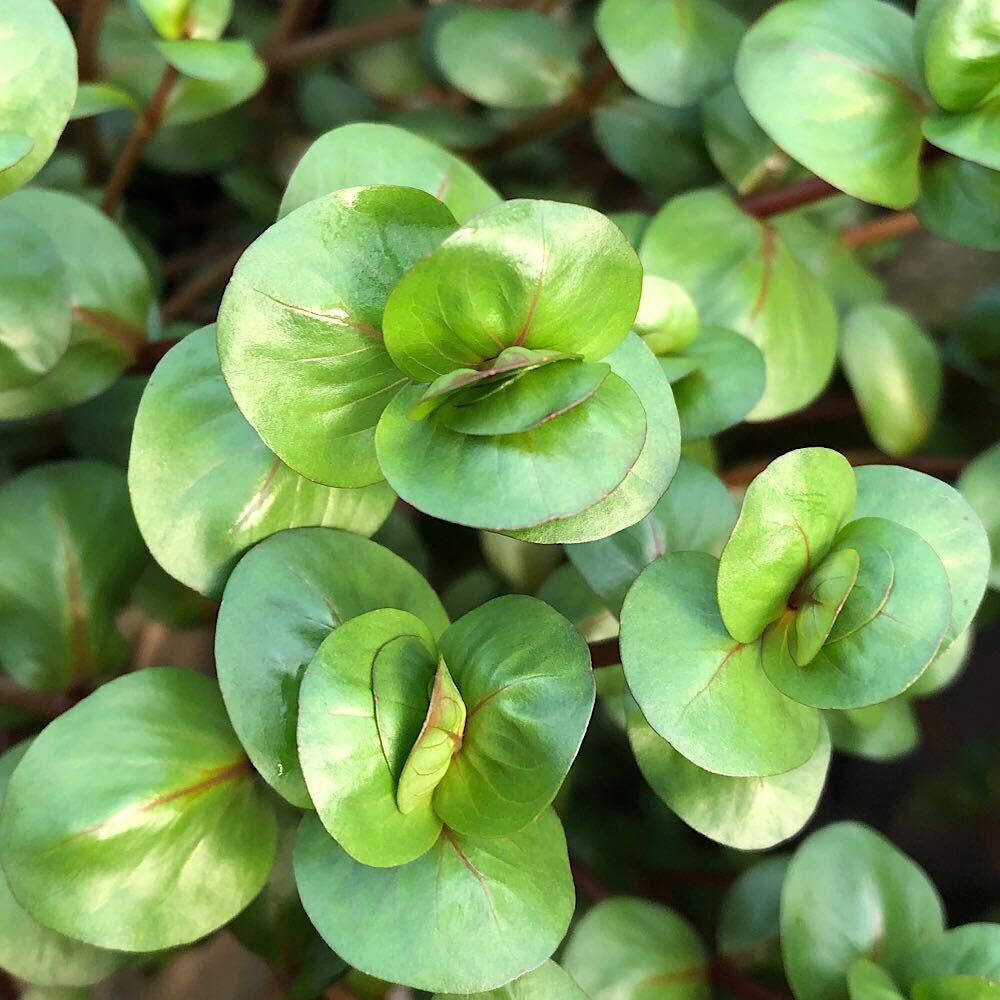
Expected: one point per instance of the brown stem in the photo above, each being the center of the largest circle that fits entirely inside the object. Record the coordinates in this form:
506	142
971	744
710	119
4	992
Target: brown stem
87	36
200	284
587	882
551	119
805	192
146	124
47	705
726	975
605	653
886	227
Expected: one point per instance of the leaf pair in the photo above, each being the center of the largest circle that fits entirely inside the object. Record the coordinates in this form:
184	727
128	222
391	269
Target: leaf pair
319	358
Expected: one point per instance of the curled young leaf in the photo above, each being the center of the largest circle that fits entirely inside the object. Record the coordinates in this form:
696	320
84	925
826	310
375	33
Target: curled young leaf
162	834
468	916
283	599
961	52
700	689
205	487
791	514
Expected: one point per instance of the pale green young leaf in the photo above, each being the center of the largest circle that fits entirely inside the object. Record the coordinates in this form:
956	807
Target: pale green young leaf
961	52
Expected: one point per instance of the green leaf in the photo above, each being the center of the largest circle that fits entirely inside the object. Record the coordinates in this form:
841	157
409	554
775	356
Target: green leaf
696	513
851	100
974	135
629	947
102	427
748	924
567	591
31	951
667	318
206	59
649	477
742	277
96	98
537	274
37	88
850	894
547	982
868	981
110	293
193	18
366	153
301	347
818	602
362	703
35	312
979	483
205	488
660	147
65	576
961	52
701	690
439	739
282	600
895	371
508	58
972	950
743	152
500	905
194	99
750	814
162	835
942	517
726	382
524	673
955	988
512	481
885	731
524	401
669	51
944	668
791	514
524	566
959	202
888	631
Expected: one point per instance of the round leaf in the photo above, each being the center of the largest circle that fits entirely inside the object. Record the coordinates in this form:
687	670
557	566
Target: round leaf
468	916
962	53
974	135
524	674
161	835
669	51
743	277
944	668
31	951
748	924
205	487
979	483
649	477
362	702
851	100
37	87
877	732
868	981
299	331
972	950
507	58
629	947
65	576
791	514
850	894
282	600
888	631
667	318
959	202
941	516
726	382
535	274
895	371
34	302
701	690
365	153
207	59
750	814
695	514
111	296
512	480
547	982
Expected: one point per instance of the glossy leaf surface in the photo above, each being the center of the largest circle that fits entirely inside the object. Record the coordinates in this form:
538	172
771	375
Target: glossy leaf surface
282	600
819	601
961	53
163	836
468	916
205	487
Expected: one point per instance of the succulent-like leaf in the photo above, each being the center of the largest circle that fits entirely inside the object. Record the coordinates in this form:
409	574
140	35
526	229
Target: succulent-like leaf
748	926
885	731
979	483
700	689
162	835
959	202
301	345
468	916
547	982
791	514
867	980
972	950
282	600
961	52
973	135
